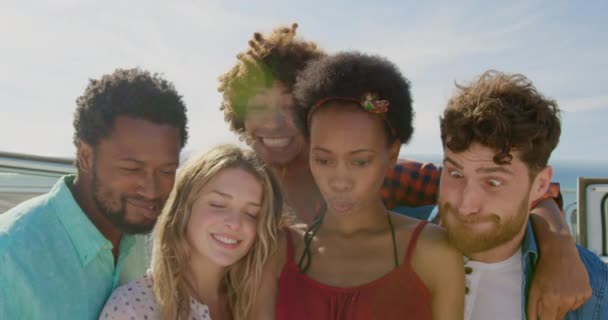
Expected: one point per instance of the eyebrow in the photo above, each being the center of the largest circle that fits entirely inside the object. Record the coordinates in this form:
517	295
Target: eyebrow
225	195
351	152
493	169
142	162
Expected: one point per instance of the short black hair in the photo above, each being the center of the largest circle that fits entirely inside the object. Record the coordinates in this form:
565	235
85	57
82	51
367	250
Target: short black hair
127	92
352	75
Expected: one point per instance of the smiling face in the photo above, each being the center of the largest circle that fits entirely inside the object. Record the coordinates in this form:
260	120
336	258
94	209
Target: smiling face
349	156
133	171
223	222
270	124
484	206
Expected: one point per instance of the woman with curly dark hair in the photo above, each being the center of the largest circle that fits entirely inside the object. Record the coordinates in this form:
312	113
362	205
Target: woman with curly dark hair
358	260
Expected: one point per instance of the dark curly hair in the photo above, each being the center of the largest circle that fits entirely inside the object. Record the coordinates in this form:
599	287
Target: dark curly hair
503	112
132	92
278	57
353	75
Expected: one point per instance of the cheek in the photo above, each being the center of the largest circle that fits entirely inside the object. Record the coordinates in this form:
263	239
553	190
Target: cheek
249	124
166	183
200	221
250	229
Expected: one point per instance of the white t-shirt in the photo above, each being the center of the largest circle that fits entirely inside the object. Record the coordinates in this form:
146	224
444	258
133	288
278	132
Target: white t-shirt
135	300
494	289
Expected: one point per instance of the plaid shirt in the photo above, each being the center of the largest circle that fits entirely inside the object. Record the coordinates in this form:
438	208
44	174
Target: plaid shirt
413	183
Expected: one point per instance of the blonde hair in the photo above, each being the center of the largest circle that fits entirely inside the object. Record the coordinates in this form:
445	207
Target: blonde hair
171	251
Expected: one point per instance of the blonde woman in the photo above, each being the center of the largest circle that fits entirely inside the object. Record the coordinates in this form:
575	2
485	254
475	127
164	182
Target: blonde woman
211	240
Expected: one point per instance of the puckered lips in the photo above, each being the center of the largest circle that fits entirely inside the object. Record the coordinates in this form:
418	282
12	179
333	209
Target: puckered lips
341	206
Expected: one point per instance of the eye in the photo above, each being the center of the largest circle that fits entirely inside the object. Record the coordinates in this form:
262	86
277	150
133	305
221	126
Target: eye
494	182
253	215
130	169
258	109
360	162
168	172
321	161
455	174
217	205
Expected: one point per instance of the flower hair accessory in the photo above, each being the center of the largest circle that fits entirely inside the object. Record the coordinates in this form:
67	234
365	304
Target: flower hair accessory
374	105
370	103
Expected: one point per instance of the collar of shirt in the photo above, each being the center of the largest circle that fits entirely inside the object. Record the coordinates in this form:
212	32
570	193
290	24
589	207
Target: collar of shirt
85	237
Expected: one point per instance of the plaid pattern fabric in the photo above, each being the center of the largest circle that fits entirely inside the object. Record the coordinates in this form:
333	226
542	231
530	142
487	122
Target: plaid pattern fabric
413	183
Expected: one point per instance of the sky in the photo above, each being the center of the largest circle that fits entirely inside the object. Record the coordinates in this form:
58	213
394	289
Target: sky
50	49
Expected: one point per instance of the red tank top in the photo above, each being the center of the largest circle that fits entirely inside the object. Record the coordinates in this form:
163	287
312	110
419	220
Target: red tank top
399	294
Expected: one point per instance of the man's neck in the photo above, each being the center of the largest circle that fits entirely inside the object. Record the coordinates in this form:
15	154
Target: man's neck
84	197
502	252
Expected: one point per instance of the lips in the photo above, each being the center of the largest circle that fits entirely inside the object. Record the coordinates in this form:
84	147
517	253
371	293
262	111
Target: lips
342	206
149	209
225	240
276	142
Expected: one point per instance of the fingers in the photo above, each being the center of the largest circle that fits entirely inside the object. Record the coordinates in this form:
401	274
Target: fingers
533	303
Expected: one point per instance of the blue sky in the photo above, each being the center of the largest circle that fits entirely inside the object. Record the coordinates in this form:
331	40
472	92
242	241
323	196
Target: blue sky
51	49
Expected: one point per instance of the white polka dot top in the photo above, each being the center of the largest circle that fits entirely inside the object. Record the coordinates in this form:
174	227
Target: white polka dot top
135	300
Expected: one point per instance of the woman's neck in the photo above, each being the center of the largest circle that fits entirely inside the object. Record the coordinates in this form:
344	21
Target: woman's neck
300	189
372	217
205	280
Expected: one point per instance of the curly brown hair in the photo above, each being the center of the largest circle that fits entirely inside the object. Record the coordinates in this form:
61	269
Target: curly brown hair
504	112
277	57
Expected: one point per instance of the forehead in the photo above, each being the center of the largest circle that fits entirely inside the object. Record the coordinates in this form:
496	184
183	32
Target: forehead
344	126
478	157
225	181
277	95
142	140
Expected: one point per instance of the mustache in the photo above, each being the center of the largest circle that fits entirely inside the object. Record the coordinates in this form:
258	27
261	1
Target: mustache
446	209
156	202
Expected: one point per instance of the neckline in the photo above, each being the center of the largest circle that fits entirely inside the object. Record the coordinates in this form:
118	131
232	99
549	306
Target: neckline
383	278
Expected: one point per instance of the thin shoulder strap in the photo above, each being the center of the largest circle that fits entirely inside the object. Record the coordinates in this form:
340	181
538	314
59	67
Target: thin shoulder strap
290	249
413	239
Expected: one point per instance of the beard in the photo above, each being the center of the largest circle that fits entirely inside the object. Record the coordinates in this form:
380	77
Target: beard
113	206
470	241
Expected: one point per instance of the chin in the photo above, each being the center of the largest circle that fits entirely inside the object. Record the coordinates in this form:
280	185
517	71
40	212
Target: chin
225	261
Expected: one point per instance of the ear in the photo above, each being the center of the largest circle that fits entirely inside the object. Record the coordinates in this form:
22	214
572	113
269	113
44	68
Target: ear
85	156
541	183
394	151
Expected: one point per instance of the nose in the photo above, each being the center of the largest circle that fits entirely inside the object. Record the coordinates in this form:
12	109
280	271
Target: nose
233	220
340	181
276	118
148	186
469	200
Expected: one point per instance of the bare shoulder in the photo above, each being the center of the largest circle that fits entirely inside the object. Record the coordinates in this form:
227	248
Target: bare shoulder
432	237
432	252
277	261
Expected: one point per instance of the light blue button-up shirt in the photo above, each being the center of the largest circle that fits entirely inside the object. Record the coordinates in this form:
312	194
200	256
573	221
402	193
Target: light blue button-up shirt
596	308
54	262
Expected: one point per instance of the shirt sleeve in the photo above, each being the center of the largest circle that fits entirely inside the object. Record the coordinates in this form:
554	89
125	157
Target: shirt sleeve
411	183
119	306
12	297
